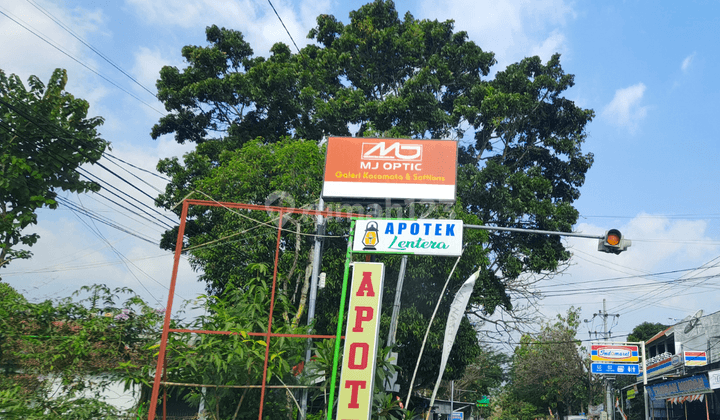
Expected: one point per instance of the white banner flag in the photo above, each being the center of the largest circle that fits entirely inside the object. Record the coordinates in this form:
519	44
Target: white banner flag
457	311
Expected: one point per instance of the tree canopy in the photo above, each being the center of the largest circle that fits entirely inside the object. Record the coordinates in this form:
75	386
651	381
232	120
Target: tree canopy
59	358
549	370
45	135
258	125
646	331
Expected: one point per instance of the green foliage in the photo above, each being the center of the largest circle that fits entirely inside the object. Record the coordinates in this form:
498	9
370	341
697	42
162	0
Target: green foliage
386	406
484	374
507	406
57	357
237	359
258	123
45	136
550	369
646	331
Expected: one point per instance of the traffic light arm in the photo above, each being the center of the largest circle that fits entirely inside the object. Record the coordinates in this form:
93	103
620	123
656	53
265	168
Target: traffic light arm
603	244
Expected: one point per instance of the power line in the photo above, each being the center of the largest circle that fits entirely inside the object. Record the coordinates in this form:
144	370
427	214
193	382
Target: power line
88	175
96	179
122	258
30	119
41	37
137	167
283	24
75	208
95	50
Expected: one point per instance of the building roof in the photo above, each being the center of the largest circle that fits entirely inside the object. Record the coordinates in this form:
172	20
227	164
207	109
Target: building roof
663	333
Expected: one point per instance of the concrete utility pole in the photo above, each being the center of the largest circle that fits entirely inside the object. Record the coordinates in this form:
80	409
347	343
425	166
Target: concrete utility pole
609	408
396	304
317	252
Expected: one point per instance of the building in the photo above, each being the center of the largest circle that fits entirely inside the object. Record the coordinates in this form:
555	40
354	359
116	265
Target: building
683	370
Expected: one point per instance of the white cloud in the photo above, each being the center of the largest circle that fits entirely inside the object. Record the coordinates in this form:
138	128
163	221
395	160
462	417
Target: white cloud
685	66
69	255
18	41
629	281
625	110
257	21
553	44
148	63
512	29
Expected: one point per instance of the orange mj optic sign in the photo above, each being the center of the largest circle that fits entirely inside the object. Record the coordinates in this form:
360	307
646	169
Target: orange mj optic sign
361	336
399	169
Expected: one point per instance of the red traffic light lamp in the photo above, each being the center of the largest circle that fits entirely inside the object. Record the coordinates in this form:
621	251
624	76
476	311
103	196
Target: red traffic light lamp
613	242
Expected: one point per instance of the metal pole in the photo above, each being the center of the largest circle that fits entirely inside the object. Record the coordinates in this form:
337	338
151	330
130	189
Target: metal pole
647	410
313	298
336	357
605	334
608	399
543	232
396	305
452	397
270	317
168	312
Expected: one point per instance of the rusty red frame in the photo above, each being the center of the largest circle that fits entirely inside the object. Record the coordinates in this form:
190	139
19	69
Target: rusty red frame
160	369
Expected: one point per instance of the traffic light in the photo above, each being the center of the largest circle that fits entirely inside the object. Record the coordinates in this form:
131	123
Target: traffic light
613	242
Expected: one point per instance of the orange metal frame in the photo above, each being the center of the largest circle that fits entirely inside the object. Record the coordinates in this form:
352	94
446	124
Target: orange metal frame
160	370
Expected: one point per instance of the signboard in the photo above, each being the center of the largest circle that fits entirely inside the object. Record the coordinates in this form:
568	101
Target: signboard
695	358
615	368
714	378
484	401
397	169
697	384
612	353
417	237
595	410
361	336
458	415
662	366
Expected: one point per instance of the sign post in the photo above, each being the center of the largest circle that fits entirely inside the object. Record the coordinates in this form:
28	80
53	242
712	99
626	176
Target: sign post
399	169
361	337
439	237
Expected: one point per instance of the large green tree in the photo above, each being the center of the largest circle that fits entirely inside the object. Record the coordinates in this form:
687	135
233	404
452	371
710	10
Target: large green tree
58	358
45	135
258	124
550	369
645	331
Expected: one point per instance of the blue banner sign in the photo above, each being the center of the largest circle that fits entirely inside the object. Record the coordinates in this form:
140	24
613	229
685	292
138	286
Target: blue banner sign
697	384
615	368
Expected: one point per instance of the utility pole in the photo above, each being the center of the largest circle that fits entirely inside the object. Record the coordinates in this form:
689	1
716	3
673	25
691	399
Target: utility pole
396	305
317	252
609	408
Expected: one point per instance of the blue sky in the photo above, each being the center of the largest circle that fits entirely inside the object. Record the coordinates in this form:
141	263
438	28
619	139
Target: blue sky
648	69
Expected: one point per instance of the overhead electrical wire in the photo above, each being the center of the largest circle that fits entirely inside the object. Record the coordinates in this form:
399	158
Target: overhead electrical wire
638	303
47	41
283	24
154	226
62	139
95	50
75	208
90	177
95	178
108	155
122	258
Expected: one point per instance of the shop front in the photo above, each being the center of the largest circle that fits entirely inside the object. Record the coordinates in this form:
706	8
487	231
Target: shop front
685	398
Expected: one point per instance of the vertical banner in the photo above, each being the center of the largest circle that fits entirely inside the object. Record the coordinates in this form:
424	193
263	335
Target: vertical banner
457	312
361	338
